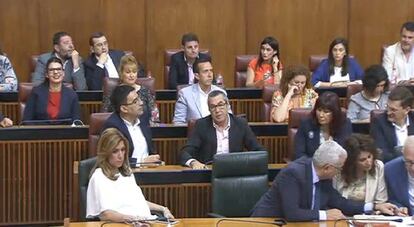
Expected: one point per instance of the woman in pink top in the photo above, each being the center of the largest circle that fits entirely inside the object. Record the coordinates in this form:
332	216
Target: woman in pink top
267	68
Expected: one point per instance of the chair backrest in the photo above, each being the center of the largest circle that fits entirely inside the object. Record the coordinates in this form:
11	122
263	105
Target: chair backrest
84	171
375	114
295	117
267	96
96	123
238	182
352	90
25	89
167	60
109	84
148	82
240	69
33	62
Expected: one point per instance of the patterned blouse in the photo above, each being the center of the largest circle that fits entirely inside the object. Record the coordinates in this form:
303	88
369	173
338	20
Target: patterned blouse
306	100
8	79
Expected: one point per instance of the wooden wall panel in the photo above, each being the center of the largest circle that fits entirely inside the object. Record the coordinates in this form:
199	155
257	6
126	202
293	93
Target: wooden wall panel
301	27
220	26
375	23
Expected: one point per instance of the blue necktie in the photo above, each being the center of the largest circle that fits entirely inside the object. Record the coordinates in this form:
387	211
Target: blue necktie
317	198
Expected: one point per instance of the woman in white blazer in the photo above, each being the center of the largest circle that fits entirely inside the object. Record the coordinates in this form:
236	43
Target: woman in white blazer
362	176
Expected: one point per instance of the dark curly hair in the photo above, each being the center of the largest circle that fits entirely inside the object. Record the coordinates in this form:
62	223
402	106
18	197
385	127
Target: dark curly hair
354	145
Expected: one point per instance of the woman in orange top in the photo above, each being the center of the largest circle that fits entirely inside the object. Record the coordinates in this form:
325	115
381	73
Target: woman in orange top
295	92
267	68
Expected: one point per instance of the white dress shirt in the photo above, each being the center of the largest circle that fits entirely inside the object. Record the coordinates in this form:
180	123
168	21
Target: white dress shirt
138	139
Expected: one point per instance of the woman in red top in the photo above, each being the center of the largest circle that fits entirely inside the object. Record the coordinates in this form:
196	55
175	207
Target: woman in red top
51	102
267	68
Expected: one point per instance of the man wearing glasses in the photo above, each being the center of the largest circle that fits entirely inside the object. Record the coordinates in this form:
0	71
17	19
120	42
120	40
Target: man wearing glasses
303	190
390	129
218	133
128	108
192	100
64	49
399	178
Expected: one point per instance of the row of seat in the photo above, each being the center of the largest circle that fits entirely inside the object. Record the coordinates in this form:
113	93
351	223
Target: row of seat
240	69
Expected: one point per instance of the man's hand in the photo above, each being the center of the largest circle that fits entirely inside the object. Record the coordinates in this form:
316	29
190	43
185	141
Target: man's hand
152	158
75	59
401	211
103	58
385	208
197	165
334	214
6	122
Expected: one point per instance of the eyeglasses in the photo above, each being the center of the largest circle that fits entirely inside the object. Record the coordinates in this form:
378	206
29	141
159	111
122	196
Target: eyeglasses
55	69
135	101
408	163
220	105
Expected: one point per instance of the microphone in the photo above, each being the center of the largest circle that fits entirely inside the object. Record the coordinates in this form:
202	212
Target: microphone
63	121
372	219
278	222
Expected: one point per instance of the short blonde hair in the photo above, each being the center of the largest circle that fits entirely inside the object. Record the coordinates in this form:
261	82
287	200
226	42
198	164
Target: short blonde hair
127	60
108	141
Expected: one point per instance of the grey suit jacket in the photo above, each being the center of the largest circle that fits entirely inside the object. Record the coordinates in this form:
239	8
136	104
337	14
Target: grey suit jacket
188	106
76	78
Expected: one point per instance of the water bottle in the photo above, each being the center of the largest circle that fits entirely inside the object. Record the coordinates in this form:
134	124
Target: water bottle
219	80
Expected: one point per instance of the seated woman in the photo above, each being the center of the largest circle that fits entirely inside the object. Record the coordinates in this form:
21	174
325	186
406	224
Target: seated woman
327	122
128	74
295	92
8	79
267	68
113	194
51	102
374	95
339	70
362	176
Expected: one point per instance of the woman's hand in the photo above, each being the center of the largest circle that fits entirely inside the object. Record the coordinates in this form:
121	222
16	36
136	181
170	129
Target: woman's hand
167	213
293	89
385	208
275	63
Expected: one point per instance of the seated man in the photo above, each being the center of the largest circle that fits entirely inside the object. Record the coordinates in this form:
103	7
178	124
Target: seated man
398	59
181	66
303	190
128	108
5	122
64	49
390	129
102	62
399	178
192	100
217	134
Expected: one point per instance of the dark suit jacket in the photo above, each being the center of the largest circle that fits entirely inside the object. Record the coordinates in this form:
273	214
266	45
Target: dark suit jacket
36	105
94	74
290	195
384	135
115	121
202	144
179	70
396	179
1	117
308	137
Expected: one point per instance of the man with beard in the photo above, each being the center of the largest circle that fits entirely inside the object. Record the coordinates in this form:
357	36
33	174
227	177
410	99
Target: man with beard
64	49
398	59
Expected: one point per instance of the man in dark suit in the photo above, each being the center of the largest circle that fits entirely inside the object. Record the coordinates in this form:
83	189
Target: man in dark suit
102	62
220	132
303	191
397	174
181	66
128	108
64	49
390	129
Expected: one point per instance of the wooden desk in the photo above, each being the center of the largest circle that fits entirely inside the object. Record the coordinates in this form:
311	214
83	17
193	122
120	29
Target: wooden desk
212	222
